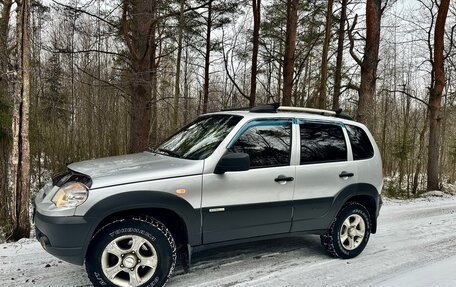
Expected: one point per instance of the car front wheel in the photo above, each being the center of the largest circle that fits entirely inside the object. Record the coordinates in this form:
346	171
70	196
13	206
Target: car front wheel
349	233
137	251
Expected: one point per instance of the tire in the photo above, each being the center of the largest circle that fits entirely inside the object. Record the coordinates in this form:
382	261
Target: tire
136	250
349	233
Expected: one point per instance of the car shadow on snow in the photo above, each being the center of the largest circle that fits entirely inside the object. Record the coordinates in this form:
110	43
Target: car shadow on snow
307	246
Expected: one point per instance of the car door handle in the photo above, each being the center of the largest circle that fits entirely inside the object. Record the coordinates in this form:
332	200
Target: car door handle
346	174
282	178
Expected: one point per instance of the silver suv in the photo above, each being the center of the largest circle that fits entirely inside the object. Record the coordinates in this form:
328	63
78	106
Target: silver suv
228	177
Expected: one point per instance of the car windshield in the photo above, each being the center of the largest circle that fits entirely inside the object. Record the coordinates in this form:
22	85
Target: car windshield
199	139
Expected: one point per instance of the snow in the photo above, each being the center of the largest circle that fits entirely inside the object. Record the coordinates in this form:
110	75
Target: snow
415	246
440	273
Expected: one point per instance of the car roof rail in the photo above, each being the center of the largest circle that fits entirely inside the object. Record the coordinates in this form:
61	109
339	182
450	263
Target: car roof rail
307	110
336	113
236	109
276	107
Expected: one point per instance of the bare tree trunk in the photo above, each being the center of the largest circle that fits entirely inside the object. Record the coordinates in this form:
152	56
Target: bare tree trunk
4	110
178	67
186	86
384	129
340	56
279	74
369	64
435	98
207	57
256	39
290	47
137	20
20	155
4	29
24	220
444	131
305	86
15	160
404	147
324	57
154	63
416	175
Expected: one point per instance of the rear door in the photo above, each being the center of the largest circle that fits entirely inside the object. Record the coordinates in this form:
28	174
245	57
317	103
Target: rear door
368	162
325	167
255	202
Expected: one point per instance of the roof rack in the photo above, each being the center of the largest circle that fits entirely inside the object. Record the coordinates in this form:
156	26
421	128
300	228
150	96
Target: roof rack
336	113
275	107
307	110
236	109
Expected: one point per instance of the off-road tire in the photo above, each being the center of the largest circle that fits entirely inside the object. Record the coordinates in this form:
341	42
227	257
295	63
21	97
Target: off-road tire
331	240
144	226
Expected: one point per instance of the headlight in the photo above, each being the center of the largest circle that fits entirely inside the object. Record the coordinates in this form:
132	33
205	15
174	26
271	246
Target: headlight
71	194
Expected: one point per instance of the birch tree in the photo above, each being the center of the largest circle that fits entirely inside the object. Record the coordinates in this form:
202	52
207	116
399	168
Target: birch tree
5	124
20	155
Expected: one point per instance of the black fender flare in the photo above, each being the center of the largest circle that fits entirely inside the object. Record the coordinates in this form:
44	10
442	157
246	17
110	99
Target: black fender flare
145	199
354	190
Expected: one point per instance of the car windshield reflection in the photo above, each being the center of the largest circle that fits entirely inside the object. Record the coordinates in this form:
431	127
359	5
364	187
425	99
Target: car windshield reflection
199	139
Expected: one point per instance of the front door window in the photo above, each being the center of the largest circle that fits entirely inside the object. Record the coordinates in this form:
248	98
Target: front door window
268	145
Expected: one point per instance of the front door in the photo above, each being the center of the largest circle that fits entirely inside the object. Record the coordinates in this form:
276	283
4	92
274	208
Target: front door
258	201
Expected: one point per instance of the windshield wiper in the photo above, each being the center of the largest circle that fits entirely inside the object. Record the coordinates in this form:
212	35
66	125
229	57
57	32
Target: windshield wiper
170	152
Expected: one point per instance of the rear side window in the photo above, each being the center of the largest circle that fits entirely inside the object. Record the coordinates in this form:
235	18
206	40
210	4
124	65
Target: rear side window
322	143
268	145
360	143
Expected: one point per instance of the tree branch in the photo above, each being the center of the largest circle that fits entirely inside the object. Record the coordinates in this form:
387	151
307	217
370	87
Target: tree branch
352	41
408	95
451	42
125	31
225	61
105	82
351	86
76	9
67	51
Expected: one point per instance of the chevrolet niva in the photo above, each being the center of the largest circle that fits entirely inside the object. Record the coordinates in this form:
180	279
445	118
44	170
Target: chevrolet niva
228	177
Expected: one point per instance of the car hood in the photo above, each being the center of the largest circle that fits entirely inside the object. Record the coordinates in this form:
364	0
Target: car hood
135	168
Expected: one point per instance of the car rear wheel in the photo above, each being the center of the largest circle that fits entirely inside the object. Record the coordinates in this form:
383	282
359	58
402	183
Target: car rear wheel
349	233
137	251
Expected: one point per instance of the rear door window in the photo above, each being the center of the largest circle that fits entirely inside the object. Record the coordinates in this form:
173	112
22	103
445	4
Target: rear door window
322	142
360	143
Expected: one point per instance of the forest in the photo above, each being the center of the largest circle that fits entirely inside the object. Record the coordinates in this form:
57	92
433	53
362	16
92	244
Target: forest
82	79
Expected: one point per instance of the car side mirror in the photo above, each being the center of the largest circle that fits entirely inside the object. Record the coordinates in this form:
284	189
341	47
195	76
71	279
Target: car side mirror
233	162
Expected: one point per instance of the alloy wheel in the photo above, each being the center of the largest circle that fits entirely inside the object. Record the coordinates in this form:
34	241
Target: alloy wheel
129	260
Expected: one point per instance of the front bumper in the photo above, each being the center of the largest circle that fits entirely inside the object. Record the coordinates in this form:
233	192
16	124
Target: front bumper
64	237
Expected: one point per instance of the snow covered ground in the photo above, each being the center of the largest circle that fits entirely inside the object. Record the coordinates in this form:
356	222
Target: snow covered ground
415	246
